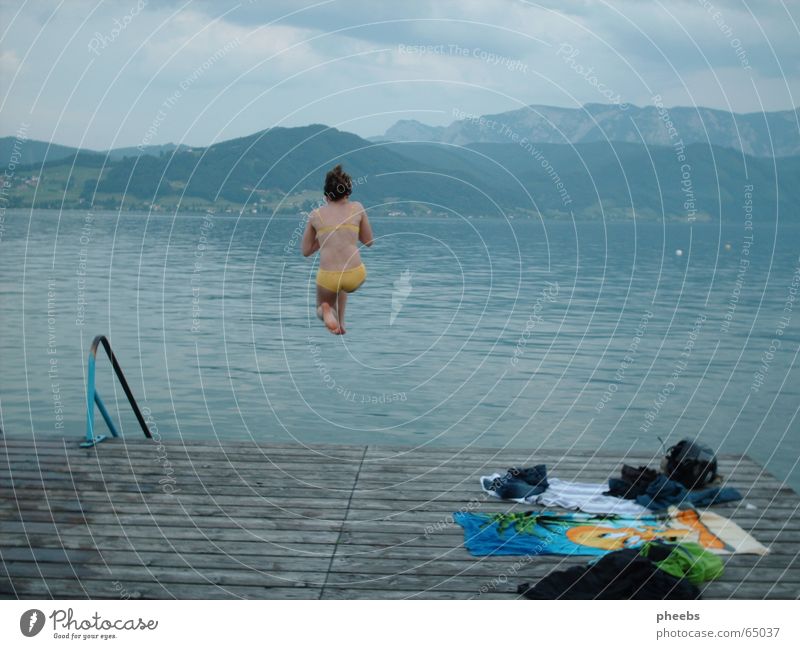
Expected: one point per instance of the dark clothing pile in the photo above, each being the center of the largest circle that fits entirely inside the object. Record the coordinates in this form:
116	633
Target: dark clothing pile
657	492
632	483
624	574
663	492
520	483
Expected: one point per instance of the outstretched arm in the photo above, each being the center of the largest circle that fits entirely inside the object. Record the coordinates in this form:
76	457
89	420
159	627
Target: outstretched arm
309	245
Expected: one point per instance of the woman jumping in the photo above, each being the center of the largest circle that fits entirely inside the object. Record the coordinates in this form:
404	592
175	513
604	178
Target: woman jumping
335	230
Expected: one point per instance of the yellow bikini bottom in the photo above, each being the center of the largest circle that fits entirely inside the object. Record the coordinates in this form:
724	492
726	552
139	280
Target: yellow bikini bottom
342	280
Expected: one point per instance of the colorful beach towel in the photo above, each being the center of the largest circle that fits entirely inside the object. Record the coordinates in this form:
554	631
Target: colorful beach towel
577	533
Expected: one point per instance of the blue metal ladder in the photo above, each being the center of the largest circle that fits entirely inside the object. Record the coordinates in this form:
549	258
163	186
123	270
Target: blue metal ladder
93	397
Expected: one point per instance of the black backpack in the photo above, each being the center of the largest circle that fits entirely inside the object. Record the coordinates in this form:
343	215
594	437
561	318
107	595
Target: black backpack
690	463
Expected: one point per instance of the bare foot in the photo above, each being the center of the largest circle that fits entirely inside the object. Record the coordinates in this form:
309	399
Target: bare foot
329	318
342	329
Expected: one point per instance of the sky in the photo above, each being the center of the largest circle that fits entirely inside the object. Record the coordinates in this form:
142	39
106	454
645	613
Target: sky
119	73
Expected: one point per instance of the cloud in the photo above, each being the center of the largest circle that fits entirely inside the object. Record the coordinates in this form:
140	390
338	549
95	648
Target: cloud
9	64
193	39
347	61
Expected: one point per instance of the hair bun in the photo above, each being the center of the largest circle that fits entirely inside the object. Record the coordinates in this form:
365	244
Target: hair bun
338	183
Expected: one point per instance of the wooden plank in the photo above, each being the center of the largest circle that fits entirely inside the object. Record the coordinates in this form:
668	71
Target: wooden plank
392	472
320	476
42	441
429	515
748	590
375	452
152	531
87	498
39	498
741	464
510	593
221	521
421	554
777	541
186	456
430	458
442	511
372	594
209	508
302	495
37	588
285	487
428	462
529	566
392	561
464	495
164	575
343	479
200	562
112	486
358	531
242	548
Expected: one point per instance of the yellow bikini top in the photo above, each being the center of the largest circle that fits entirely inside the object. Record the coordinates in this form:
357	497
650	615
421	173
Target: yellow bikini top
330	228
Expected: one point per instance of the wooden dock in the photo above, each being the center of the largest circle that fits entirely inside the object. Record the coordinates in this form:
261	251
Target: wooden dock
245	520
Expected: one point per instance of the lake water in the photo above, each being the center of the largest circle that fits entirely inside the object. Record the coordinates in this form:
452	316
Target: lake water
517	333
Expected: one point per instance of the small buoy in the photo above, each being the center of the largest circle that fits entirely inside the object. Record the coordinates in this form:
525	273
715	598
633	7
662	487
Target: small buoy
727	246
679	253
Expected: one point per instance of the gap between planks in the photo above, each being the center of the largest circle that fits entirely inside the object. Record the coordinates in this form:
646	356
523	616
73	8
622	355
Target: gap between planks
342	524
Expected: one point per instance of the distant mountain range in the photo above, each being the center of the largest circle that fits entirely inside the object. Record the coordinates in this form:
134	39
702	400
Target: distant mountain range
772	134
36	151
282	169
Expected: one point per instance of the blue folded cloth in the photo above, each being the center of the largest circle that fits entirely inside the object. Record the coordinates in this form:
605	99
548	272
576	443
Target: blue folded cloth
663	492
519	483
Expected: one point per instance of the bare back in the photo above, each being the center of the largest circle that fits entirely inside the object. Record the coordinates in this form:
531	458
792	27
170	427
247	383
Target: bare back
338	225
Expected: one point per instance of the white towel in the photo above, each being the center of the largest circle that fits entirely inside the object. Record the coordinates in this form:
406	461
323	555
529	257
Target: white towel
585	496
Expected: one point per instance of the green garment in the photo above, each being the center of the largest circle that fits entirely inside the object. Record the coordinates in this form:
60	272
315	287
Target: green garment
689	560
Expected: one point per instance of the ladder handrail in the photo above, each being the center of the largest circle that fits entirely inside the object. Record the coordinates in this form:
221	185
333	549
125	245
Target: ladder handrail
93	397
